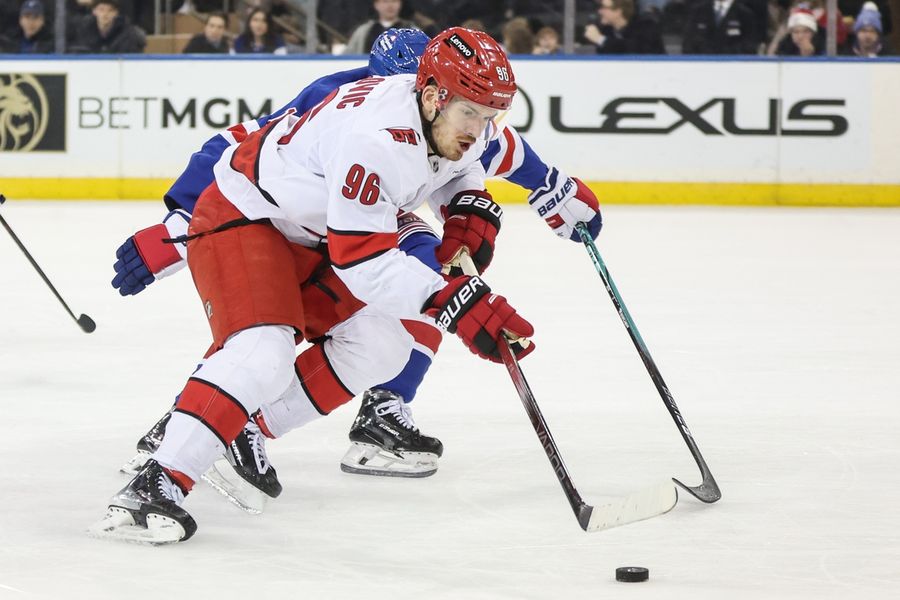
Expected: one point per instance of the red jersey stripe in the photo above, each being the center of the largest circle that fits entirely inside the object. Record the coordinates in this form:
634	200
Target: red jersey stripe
348	248
506	163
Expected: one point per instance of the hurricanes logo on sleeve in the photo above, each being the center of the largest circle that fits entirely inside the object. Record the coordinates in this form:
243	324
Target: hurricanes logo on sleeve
404	135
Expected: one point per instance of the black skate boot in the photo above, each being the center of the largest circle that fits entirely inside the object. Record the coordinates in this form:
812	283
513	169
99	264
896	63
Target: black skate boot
147	445
147	511
244	474
386	441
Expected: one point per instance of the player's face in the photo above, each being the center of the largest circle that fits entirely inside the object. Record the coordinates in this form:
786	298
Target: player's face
459	126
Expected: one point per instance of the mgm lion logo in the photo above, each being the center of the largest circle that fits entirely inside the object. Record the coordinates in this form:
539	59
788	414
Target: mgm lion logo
24	112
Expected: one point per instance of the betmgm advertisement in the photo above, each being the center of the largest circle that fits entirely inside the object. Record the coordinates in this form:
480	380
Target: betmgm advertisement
643	131
32	112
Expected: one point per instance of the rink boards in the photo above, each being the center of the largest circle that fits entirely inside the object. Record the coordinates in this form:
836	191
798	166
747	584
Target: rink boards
681	131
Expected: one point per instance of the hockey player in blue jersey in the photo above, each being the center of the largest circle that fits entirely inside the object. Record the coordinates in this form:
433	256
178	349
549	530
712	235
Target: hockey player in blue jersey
384	438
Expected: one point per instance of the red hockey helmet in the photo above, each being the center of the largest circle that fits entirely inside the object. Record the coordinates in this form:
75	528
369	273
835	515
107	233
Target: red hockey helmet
470	64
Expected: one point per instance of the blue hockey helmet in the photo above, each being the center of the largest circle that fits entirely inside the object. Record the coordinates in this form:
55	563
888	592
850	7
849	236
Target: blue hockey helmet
397	51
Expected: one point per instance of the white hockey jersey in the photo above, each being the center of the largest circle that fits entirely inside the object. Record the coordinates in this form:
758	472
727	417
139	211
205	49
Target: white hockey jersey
341	173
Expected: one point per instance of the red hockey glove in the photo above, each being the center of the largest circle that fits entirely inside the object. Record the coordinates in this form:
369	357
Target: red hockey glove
467	308
473	220
564	202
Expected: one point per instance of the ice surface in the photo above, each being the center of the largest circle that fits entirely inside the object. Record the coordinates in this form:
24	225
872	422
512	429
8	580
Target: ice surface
776	329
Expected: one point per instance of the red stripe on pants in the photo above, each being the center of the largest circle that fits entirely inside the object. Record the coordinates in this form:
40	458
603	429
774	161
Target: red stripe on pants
319	380
425	334
214	407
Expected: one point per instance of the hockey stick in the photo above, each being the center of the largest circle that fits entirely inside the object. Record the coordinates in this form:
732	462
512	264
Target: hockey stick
653	501
647	503
708	490
85	322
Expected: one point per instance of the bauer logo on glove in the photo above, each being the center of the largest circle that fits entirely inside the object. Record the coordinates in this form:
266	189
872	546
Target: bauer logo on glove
468	293
565	201
467	308
468	202
473	220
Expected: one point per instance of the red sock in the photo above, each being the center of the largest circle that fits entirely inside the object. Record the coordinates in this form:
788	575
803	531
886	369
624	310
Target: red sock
180	479
260	421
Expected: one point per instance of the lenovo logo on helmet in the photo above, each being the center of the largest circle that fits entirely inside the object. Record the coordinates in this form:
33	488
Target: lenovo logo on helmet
457	42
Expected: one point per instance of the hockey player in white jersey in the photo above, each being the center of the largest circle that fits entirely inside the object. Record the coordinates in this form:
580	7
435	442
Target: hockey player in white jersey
385	439
337	175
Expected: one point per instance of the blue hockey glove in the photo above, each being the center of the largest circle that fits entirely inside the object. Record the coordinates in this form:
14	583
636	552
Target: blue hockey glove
144	258
563	202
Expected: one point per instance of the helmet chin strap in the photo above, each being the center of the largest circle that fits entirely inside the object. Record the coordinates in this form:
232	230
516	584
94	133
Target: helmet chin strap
427	128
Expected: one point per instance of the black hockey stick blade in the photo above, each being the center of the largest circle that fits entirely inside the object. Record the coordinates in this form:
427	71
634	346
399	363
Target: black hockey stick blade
708	490
653	501
85	322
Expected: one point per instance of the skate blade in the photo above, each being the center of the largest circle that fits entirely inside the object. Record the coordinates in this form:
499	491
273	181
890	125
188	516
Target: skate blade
119	524
367	459
222	478
136	463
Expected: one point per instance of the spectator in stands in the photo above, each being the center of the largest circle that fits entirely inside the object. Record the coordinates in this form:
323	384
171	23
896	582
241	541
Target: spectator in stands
105	31
721	27
854	7
32	36
518	37
867	33
388	15
259	36
817	10
213	39
802	39
622	31
547	41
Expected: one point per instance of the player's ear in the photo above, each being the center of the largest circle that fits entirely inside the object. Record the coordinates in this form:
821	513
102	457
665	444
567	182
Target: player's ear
429	101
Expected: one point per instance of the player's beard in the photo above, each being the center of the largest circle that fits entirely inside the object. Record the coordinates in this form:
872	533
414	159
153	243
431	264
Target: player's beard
455	145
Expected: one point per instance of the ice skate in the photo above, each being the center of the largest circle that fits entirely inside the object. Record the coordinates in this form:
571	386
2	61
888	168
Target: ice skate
146	446
244	474
386	441
147	511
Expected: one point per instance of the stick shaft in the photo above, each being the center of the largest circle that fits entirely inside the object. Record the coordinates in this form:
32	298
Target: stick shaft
667	398
581	510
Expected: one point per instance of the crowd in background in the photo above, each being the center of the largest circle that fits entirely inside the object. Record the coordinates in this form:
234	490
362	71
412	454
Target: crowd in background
748	27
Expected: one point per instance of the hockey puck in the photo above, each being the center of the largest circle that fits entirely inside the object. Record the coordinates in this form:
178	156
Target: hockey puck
632	574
